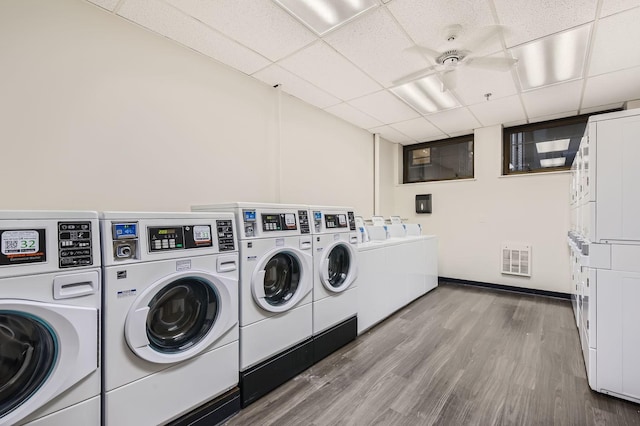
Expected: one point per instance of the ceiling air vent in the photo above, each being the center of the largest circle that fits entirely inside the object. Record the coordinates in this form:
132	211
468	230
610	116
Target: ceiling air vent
516	259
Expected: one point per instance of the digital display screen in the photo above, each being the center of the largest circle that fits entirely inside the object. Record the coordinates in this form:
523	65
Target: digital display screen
166	231
125	230
249	215
317	215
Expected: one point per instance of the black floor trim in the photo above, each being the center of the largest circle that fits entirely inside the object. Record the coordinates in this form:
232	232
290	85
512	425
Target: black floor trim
268	375
332	339
532	291
212	413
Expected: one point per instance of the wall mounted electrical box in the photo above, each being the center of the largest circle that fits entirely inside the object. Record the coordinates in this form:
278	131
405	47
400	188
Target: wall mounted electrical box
423	203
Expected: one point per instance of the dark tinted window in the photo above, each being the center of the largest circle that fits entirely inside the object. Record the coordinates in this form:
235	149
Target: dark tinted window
439	160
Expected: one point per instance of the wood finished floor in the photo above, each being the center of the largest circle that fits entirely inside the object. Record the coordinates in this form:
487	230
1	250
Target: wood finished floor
458	356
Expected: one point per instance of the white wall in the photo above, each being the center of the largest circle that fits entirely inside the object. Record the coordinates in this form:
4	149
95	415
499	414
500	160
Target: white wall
472	218
98	113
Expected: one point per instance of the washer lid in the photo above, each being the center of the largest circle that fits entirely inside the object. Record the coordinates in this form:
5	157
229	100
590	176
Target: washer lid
179	316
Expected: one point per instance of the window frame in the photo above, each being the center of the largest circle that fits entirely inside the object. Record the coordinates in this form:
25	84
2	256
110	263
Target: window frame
406	149
559	122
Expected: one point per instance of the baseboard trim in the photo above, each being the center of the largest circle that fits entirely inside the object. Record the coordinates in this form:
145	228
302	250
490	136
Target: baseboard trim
513	289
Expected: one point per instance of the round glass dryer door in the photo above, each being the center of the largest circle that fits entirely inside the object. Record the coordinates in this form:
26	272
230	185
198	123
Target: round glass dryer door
181	314
28	356
280	280
337	267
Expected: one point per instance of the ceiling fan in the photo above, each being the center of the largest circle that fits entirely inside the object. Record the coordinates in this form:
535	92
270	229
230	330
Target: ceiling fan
457	54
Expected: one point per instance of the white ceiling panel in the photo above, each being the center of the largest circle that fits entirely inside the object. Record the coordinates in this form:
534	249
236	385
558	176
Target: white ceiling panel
425	21
458	120
553	99
106	4
380	53
392	135
385	107
419	129
296	86
553	116
615	45
170	22
330	71
353	115
611	88
504	110
258	24
609	7
528	20
474	83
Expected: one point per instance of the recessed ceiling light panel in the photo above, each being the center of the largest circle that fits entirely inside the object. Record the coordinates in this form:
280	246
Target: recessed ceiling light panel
322	16
552	146
552	59
553	162
425	95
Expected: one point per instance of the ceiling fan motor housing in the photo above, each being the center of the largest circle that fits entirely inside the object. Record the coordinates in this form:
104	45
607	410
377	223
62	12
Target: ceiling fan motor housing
451	57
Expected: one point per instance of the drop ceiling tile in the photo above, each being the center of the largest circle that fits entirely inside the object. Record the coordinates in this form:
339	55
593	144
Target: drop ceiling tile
385	107
106	4
170	22
461	133
353	116
392	135
619	86
599	108
514	123
380	53
616	43
499	111
458	120
426	21
419	129
553	116
258	24
474	83
294	85
529	20
609	7
327	69
553	99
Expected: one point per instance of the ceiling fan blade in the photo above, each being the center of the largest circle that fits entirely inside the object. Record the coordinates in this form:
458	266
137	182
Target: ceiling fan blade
483	36
414	76
449	80
493	64
423	50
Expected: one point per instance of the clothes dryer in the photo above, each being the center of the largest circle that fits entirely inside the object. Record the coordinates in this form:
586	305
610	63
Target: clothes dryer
276	280
49	318
335	269
170	316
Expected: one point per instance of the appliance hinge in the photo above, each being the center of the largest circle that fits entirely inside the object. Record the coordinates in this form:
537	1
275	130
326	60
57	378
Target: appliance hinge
587	324
587	282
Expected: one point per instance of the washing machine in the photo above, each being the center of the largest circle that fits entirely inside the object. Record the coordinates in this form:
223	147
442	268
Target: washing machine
49	318
276	280
170	317
335	269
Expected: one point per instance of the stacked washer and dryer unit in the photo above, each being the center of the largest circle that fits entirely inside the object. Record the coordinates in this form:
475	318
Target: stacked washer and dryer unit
170	318
49	318
335	265
276	281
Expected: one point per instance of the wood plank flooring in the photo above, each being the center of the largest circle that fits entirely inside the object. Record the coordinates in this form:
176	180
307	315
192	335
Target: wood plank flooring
458	356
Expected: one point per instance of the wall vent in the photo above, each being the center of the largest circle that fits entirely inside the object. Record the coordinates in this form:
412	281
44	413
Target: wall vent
516	259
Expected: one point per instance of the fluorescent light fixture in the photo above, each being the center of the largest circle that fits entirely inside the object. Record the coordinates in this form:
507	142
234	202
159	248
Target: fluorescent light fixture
552	146
322	16
425	95
553	162
554	59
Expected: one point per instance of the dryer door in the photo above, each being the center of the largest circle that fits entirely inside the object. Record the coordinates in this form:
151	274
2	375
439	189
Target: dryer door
44	350
179	316
281	280
338	268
